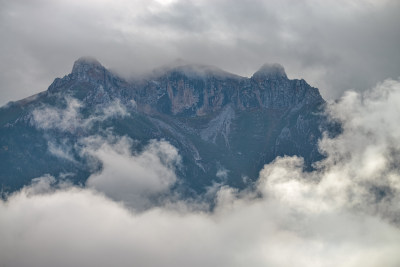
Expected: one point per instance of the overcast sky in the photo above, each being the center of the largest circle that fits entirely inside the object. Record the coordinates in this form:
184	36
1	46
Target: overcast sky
335	45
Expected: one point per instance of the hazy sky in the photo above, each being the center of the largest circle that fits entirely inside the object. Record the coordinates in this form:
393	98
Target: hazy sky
333	44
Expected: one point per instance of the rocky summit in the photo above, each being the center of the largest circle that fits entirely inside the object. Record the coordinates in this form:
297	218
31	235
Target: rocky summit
225	127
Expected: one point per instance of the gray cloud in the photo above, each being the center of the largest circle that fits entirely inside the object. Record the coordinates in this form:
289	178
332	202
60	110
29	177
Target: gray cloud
334	45
345	213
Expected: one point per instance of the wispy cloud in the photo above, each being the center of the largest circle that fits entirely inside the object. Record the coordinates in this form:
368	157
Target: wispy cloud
70	118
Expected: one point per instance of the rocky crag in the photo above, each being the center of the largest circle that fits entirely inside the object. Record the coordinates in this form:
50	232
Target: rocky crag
225	127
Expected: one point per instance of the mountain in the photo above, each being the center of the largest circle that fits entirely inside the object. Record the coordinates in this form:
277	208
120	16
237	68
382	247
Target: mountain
225	127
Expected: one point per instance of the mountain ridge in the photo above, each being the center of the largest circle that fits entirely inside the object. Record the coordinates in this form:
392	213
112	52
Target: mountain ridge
212	117
183	96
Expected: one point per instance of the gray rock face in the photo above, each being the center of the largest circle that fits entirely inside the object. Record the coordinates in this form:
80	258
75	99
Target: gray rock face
214	118
219	126
181	91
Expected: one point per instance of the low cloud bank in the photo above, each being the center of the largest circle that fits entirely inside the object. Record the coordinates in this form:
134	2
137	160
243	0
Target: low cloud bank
345	213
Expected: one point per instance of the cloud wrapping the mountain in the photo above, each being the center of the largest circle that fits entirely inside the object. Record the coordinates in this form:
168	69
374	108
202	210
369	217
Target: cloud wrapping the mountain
137	179
361	171
345	213
334	45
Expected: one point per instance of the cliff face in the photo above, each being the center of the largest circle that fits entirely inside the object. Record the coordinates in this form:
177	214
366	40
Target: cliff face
199	90
191	90
215	119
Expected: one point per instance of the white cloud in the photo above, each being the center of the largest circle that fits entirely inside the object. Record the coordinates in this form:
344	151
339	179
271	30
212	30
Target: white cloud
67	119
134	179
70	119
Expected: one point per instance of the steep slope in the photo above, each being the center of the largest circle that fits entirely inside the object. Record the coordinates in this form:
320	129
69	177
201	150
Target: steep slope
226	127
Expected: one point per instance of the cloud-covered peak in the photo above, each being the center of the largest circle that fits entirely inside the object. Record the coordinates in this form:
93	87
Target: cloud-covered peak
192	70
85	64
270	71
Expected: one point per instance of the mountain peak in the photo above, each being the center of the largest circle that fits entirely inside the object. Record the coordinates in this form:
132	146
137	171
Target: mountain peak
209	115
270	71
85	64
